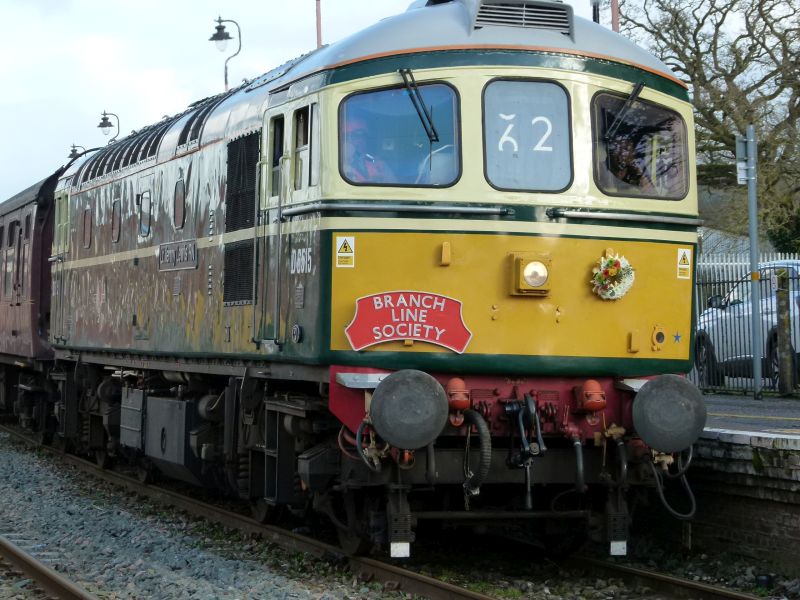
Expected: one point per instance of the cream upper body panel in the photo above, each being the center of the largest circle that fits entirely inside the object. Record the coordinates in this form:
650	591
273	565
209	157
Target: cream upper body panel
472	186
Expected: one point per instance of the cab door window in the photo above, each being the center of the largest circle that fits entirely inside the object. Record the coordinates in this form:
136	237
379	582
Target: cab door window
302	148
276	153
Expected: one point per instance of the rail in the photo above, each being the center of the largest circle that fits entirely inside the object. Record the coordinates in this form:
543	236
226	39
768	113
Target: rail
46	578
668	584
366	569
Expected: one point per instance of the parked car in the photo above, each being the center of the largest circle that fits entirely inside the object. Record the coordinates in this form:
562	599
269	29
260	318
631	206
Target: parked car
723	345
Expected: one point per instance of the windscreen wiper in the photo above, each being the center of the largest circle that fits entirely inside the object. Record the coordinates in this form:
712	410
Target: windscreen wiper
611	131
419	104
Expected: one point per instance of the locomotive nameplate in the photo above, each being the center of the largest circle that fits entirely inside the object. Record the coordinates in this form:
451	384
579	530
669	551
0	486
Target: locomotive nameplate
408	315
176	256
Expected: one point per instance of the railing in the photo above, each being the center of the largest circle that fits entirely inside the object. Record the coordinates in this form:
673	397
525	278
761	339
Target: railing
724	320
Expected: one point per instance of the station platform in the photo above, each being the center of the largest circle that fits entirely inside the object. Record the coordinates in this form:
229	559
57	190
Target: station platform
742	413
746	477
757	441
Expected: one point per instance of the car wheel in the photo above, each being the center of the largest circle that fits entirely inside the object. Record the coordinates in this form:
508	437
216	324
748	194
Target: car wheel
774	363
705	361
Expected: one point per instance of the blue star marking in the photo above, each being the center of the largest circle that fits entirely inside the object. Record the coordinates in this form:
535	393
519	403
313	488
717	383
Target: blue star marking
677	337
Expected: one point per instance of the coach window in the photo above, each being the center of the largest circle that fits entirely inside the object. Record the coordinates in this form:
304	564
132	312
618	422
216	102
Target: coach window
8	276
145	210
526	133
27	226
179	205
276	153
19	269
640	149
2	255
87	227
385	137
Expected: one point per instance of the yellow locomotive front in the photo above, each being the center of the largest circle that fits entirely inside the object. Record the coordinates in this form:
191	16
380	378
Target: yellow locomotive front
494	218
507	241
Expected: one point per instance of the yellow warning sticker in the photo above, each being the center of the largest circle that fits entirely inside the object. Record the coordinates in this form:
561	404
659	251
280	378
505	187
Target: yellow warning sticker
345	252
684	263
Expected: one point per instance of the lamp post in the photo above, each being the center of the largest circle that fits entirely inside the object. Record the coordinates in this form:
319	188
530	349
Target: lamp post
319	26
73	153
221	37
615	15
106	125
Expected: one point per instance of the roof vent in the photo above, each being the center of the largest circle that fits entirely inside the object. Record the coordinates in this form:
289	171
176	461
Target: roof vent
552	16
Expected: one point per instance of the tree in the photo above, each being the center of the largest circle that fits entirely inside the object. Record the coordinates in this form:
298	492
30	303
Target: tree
741	61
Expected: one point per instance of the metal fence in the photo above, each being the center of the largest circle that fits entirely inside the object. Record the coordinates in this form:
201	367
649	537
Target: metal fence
724	320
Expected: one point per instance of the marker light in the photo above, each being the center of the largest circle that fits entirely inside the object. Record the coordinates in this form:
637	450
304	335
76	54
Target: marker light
535	274
530	273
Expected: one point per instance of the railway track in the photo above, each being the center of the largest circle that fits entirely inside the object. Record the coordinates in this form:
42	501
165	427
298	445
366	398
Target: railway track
674	587
368	569
46	579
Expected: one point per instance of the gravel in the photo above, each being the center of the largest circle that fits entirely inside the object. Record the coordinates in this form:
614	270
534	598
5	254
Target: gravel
724	568
118	545
14	586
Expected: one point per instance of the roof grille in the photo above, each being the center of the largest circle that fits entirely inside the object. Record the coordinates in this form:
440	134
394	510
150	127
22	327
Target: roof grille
552	16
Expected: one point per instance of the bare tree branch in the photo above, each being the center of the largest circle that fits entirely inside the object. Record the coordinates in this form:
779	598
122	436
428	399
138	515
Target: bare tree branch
741	60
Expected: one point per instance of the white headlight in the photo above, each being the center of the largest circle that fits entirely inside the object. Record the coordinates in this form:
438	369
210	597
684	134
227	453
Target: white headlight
535	274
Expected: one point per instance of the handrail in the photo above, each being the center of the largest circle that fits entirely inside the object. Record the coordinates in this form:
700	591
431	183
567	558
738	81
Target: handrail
560	213
256	220
380	207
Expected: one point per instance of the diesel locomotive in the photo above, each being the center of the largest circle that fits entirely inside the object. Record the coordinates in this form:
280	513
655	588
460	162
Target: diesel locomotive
439	270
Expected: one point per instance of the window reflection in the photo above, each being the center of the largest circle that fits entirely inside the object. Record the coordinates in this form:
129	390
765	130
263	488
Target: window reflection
527	136
382	140
645	155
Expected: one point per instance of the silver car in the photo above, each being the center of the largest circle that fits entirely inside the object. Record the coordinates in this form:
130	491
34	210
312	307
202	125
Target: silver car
724	347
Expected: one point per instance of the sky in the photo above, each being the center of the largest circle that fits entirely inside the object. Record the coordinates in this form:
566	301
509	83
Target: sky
63	62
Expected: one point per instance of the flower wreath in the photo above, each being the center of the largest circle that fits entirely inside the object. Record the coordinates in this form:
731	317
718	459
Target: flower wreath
613	276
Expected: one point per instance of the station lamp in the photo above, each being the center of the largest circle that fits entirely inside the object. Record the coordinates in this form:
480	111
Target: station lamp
106	125
221	37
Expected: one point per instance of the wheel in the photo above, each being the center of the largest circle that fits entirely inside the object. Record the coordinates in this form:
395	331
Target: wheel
144	474
353	543
264	512
705	361
353	530
774	364
102	458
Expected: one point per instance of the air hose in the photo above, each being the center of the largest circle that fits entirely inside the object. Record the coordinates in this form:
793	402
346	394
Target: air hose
681	467
623	462
580	485
473	481
682	474
360	448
